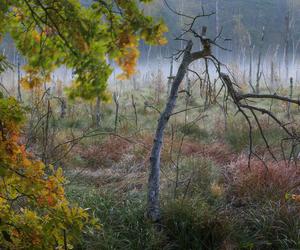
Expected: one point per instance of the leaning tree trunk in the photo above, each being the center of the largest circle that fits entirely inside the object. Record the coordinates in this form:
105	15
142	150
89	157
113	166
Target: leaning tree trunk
153	209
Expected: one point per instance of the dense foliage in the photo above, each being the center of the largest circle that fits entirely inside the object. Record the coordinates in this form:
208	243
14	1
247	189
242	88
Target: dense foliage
86	39
34	212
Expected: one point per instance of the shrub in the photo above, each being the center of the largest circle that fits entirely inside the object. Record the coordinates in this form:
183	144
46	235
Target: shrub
34	212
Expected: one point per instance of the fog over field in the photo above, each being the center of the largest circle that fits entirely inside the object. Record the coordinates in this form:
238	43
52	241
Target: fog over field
242	22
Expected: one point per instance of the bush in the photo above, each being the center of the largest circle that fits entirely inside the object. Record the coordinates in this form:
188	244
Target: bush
34	211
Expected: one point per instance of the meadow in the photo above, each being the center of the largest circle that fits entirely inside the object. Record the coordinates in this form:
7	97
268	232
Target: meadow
211	198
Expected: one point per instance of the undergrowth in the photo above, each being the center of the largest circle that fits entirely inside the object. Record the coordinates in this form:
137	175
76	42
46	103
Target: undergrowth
204	218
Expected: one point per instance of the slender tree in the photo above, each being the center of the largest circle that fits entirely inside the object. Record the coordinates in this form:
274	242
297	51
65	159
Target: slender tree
153	208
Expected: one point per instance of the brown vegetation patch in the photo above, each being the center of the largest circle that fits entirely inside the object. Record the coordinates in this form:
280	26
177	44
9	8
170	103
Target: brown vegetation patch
105	154
263	180
218	152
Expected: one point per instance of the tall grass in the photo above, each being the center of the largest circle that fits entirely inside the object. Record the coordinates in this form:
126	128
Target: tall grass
122	219
270	226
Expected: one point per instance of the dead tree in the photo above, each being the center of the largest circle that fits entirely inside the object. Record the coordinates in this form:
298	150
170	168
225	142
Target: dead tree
148	56
63	106
188	87
153	206
291	96
153	212
243	102
272	75
217	24
135	111
246	103
116	100
45	139
251	50
287	44
98	112
19	78
170	77
259	72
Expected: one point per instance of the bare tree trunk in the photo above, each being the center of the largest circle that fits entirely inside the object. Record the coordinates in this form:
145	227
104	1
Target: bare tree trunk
275	59
188	88
46	133
153	208
251	49
170	78
63	107
153	204
272	75
116	100
295	51
148	56
287	45
135	111
291	96
98	112
217	25
19	78
258	72
181	22
135	82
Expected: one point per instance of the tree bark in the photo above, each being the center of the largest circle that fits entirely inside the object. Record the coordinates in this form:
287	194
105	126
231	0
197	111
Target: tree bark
291	96
63	107
259	72
98	112
19	78
170	78
153	209
217	25
251	50
116	100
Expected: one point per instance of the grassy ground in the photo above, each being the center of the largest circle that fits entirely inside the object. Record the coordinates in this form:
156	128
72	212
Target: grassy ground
210	198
